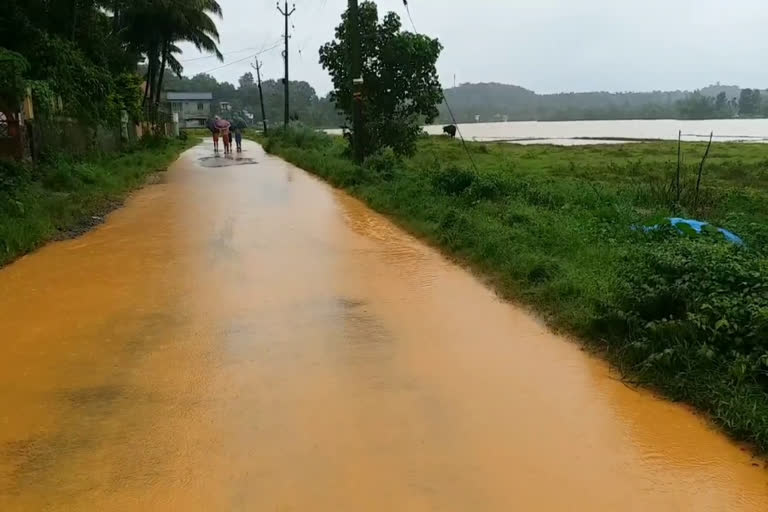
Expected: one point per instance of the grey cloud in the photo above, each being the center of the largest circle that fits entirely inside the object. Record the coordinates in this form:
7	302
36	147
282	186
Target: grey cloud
544	45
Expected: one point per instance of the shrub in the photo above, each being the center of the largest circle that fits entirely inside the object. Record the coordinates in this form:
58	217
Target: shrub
453	180
300	136
12	175
382	163
487	187
695	301
152	140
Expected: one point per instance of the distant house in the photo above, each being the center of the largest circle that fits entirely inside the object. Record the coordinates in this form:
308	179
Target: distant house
194	108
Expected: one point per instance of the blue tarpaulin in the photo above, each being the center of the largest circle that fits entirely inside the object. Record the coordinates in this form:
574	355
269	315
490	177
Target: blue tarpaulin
697	226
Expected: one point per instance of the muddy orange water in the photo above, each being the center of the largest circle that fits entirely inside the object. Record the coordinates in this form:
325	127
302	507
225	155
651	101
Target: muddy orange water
243	337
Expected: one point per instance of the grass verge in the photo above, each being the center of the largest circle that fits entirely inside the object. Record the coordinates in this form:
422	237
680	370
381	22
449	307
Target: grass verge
561	230
63	197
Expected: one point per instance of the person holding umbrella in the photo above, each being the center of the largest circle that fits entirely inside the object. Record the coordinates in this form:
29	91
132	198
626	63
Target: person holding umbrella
223	127
214	133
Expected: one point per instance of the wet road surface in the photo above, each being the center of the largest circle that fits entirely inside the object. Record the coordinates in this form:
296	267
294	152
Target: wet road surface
244	337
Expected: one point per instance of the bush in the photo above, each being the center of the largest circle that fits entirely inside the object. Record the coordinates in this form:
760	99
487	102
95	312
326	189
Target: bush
12	175
452	180
382	163
696	301
487	187
67	175
300	136
151	140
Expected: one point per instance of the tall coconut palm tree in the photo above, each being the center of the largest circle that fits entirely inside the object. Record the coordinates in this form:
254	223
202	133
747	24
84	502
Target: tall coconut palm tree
153	27
189	21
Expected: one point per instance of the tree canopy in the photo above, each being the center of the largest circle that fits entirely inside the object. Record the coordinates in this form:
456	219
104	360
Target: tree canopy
401	88
86	52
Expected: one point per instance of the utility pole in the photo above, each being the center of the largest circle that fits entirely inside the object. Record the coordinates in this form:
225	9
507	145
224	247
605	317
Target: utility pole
356	65
257	67
286	14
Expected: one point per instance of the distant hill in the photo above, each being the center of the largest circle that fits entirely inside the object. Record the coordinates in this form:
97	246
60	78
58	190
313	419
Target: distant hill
489	100
498	102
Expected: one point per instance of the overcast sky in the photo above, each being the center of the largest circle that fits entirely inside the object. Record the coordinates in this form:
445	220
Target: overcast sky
543	45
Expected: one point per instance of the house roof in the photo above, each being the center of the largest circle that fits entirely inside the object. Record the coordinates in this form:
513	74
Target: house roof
188	96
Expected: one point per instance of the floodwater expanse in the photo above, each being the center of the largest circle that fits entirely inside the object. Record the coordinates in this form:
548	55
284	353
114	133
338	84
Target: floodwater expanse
243	337
602	132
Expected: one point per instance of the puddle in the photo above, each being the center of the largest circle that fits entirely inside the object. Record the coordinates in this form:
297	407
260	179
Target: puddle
225	161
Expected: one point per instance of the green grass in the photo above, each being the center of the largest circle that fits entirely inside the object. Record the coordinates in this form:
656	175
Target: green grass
556	228
61	196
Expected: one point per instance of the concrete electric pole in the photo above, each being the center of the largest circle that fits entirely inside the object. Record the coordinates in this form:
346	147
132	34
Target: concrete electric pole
257	67
356	63
286	14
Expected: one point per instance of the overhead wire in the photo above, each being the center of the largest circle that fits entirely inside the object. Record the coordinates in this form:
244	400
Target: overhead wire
408	10
445	100
314	14
214	56
243	59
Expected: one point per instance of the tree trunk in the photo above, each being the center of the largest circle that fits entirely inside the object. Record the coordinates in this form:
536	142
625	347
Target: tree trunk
151	77
148	79
116	16
159	92
74	20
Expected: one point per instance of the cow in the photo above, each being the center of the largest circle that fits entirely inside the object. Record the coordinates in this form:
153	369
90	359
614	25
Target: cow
450	130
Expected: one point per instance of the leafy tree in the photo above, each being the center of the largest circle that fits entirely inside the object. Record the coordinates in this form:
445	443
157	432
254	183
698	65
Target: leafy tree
401	87
697	106
13	67
246	80
749	102
721	102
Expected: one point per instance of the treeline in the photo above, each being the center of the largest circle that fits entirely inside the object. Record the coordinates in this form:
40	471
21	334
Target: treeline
80	58
489	102
306	105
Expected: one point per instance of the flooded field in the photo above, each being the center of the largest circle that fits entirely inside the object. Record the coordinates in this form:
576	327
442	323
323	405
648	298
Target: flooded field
243	337
602	132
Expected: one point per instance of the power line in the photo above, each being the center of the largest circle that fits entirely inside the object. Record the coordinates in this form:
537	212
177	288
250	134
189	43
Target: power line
240	60
312	15
445	100
214	56
408	10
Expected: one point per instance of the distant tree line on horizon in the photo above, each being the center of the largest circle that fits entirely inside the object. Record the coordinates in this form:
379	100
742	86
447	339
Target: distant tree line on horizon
306	105
492	102
498	102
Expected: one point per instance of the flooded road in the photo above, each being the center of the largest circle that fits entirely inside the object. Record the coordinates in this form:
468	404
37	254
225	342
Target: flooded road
243	337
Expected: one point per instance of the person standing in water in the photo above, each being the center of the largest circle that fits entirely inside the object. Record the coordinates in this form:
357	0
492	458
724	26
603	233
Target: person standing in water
238	138
215	133
223	128
238	125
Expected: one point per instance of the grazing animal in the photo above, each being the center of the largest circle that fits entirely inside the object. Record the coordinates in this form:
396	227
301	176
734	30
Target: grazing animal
450	130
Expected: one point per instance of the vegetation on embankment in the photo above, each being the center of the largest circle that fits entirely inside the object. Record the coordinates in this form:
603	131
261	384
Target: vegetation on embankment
557	228
64	196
